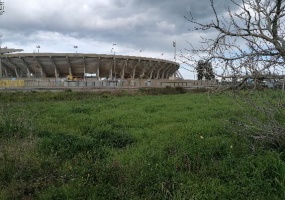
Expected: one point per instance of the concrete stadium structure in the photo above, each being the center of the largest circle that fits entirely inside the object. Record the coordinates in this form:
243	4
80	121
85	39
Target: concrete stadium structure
81	66
65	70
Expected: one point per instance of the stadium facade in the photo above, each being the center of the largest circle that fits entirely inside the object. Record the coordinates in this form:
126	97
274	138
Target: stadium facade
61	65
61	70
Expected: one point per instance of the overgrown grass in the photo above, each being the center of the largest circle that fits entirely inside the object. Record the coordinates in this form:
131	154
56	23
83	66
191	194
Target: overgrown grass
76	145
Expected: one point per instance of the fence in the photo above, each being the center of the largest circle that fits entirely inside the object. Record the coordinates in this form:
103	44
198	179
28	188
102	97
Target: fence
12	83
51	82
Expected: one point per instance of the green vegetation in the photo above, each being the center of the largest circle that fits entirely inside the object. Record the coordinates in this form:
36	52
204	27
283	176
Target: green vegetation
84	145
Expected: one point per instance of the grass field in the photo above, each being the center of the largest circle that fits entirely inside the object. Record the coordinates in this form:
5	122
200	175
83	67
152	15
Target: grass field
75	145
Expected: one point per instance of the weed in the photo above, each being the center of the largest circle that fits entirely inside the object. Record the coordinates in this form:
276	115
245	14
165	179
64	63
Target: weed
163	91
80	109
137	145
66	146
114	139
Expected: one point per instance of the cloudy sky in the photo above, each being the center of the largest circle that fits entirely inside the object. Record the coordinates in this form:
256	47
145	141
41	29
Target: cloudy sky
137	27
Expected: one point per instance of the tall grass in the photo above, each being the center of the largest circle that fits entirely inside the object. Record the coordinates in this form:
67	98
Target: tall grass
73	145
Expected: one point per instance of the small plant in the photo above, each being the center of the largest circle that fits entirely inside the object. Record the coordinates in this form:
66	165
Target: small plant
115	139
68	90
180	90
80	109
66	146
163	91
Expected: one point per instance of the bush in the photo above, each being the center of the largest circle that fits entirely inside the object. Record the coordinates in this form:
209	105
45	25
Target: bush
114	139
163	91
66	146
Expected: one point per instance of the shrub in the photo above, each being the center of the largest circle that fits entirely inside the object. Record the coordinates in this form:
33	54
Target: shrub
79	110
163	91
66	146
114	139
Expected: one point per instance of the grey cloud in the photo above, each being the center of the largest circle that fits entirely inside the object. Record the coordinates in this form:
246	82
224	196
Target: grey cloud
151	24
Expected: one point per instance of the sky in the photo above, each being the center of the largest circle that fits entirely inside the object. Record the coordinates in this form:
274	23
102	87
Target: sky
125	27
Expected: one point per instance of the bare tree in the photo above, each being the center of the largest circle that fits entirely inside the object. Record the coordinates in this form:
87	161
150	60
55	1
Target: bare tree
249	44
250	40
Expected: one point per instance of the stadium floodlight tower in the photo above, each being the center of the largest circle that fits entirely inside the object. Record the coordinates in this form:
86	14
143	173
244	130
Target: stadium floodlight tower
75	47
38	47
1	8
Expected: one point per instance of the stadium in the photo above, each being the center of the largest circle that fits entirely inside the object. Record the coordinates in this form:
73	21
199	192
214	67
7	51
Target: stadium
88	70
61	65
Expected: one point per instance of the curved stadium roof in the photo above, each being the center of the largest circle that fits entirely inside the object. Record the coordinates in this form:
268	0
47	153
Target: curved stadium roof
57	65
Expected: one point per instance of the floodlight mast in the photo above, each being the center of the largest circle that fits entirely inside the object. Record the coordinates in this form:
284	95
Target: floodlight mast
1	75
1	13
38	47
174	45
1	7
75	47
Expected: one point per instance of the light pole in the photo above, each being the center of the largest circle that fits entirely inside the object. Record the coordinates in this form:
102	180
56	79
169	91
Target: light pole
174	45
114	60
114	48
0	42
0	57
75	47
38	47
1	8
